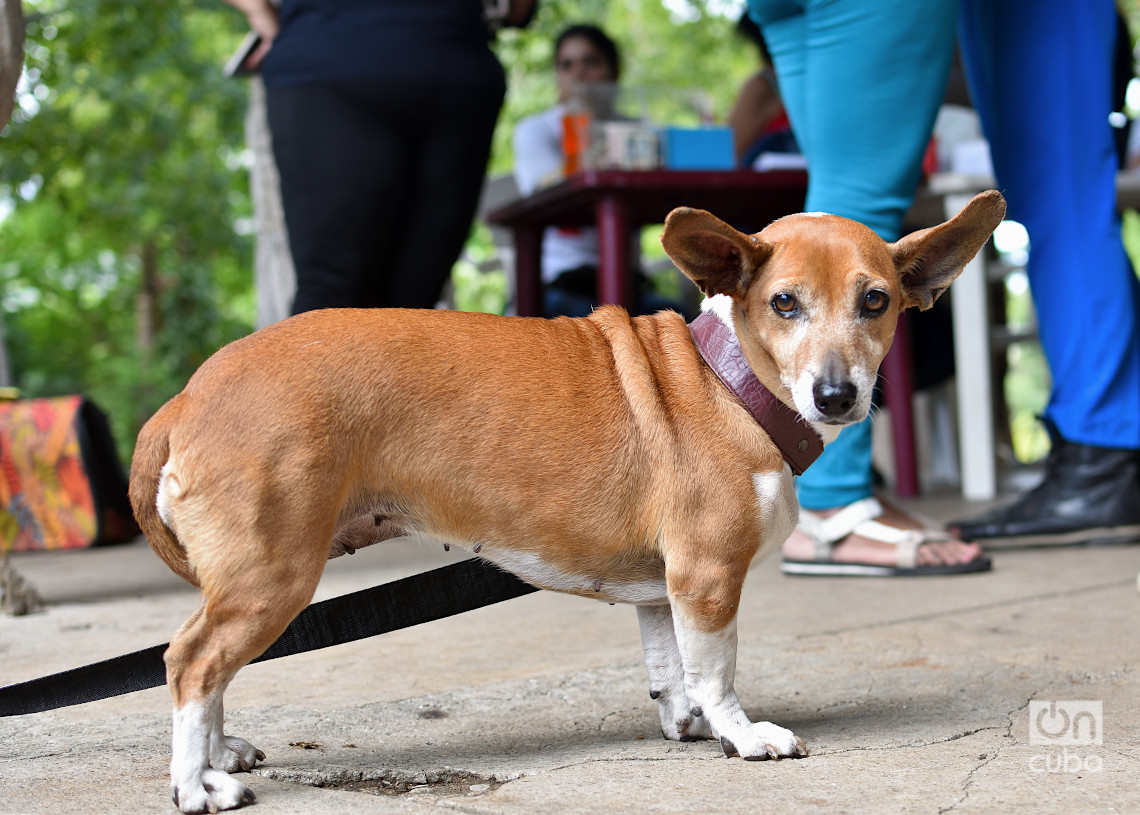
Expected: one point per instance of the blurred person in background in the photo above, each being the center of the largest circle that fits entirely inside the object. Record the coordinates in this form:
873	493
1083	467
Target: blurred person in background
758	120
584	57
862	82
381	115
1041	76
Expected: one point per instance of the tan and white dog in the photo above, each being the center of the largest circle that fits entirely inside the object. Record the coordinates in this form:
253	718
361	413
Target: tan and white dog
601	456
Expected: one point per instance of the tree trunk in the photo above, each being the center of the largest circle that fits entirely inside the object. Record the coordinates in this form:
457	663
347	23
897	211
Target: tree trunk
11	64
273	265
11	55
17	596
146	302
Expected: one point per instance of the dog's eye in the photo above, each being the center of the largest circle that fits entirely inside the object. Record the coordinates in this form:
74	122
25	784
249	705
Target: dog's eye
876	302
785	304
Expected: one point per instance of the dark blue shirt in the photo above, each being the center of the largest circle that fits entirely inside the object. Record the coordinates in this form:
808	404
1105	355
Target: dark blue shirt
407	41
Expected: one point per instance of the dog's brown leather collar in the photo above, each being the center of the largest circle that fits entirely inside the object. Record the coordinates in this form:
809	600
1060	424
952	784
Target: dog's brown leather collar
798	442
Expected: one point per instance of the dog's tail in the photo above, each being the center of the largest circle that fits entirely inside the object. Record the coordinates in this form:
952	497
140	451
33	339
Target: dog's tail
151	452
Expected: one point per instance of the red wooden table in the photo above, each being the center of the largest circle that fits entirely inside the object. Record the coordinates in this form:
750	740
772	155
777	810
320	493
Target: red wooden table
620	202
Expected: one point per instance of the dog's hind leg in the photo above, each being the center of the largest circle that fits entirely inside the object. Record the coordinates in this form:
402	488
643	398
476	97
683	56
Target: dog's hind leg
241	616
667	676
229	753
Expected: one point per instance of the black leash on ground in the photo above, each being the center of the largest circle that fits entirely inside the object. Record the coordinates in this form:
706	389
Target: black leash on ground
421	598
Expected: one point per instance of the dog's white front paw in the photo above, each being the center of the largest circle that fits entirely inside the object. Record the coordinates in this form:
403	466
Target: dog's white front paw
763	740
210	791
235	755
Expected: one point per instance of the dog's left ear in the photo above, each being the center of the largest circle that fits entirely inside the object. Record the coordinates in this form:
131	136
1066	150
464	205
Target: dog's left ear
718	258
930	259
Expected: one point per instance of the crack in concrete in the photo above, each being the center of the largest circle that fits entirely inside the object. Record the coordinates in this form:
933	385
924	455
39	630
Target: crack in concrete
908	745
57	754
1116	752
983	763
390	781
606	717
682	754
934	615
449	781
968	781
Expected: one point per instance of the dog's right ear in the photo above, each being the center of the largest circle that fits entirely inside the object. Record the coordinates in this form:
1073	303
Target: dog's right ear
718	258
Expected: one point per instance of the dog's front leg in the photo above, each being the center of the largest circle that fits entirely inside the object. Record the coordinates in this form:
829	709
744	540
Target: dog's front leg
707	644
667	676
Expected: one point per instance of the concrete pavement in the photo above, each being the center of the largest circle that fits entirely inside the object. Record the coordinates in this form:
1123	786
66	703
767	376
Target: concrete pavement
912	695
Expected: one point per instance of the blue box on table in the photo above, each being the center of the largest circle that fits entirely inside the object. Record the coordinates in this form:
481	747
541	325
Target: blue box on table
697	148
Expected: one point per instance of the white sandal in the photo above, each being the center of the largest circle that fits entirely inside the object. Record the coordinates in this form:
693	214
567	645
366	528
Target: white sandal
859	519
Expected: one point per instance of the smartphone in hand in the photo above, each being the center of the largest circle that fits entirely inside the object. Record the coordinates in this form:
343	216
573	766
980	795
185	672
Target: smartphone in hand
238	64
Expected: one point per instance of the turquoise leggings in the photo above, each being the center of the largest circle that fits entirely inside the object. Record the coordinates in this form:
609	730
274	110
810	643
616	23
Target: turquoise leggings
862	81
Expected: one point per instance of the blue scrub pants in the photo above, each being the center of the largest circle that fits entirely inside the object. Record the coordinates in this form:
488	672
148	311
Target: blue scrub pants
862	81
1040	76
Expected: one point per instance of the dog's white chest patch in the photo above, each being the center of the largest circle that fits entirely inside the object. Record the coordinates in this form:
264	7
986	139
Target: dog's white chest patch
779	510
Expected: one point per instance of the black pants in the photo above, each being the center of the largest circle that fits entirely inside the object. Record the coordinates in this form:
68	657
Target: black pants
379	185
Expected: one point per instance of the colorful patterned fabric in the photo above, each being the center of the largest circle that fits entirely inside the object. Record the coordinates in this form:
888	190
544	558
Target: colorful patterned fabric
47	498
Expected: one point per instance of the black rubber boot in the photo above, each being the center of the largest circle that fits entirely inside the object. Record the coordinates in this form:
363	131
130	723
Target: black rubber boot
1090	495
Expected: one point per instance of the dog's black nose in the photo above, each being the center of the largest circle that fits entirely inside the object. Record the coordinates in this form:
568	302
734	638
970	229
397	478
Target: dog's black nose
835	399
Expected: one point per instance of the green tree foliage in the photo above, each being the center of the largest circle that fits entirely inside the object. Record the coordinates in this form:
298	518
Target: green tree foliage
123	172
